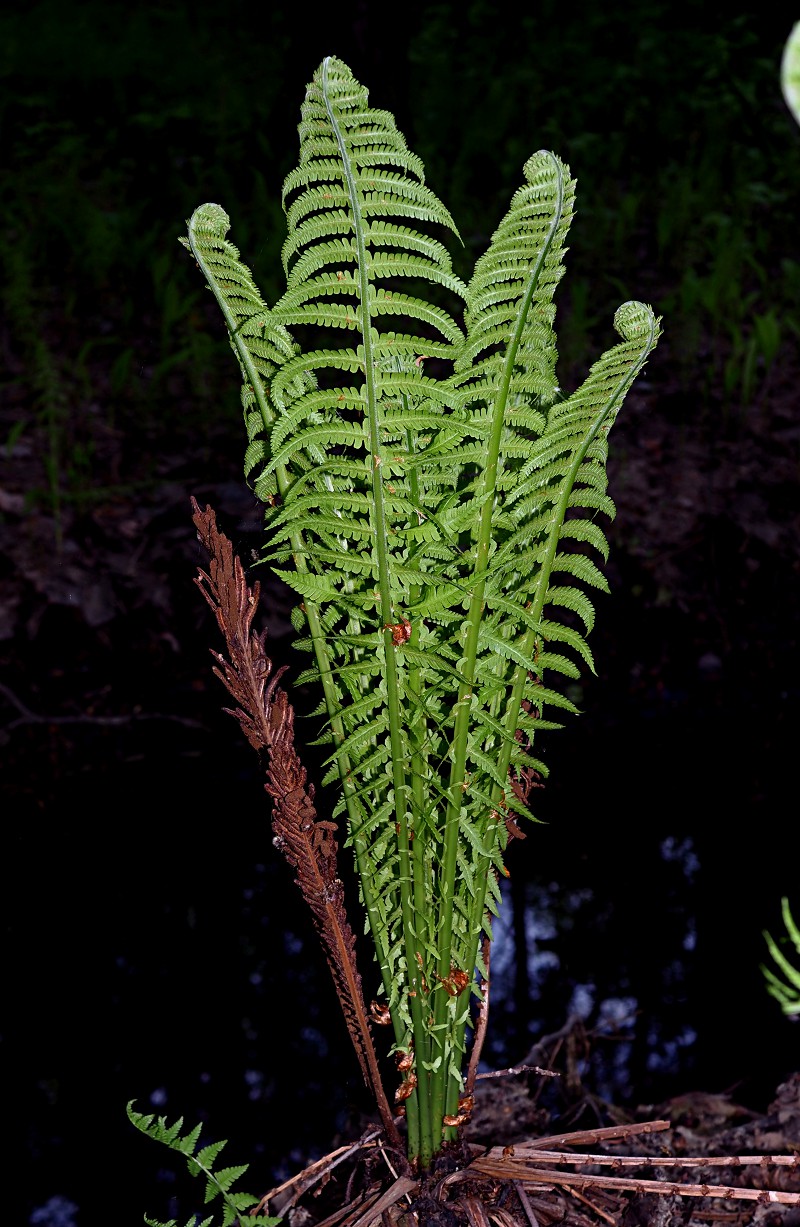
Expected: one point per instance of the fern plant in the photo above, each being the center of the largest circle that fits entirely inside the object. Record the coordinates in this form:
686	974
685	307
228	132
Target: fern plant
784	988
201	1162
434	500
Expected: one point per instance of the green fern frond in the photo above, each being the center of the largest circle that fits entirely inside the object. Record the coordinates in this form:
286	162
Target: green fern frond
509	299
261	345
786	991
201	1163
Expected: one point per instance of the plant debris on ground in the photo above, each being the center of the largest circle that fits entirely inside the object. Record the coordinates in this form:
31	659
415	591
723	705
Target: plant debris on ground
701	1159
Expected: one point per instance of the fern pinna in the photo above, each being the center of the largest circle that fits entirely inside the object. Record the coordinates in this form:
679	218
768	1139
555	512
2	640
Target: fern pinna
433	500
236	1207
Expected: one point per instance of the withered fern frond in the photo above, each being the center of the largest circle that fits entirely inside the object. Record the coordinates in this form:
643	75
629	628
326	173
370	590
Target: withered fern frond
307	843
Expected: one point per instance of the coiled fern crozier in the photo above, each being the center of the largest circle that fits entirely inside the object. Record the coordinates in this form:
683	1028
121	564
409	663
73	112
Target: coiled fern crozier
433	499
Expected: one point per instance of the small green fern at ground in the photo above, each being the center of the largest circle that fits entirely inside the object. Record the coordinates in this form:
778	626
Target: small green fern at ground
201	1163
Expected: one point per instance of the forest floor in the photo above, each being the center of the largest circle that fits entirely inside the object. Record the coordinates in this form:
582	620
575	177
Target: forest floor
693	1161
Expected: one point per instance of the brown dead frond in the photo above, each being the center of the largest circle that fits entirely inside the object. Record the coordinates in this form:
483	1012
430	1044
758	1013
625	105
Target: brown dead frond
308	843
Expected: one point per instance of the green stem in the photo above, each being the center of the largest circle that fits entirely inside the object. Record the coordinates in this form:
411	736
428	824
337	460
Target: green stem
458	782
417	732
388	615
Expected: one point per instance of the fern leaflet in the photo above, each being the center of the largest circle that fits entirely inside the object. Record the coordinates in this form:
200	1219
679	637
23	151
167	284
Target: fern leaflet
201	1162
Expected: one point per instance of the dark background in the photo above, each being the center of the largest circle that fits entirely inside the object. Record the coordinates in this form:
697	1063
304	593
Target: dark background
155	949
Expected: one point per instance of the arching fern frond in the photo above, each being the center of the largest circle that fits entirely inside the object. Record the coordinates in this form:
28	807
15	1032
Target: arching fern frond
785	988
219	1182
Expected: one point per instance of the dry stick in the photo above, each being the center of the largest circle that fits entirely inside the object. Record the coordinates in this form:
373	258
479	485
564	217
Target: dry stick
559	1158
344	1212
539	1049
467	1099
510	1170
475	1212
350	1213
540	1150
522	1069
502	1217
525	1202
401	1186
315	1171
609	1218
606	1133
387	1160
309	845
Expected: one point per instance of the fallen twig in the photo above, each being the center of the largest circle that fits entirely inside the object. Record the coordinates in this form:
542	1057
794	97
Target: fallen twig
302	1181
401	1186
603	1214
525	1202
520	1069
559	1157
605	1133
533	1162
345	1213
510	1169
476	1212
